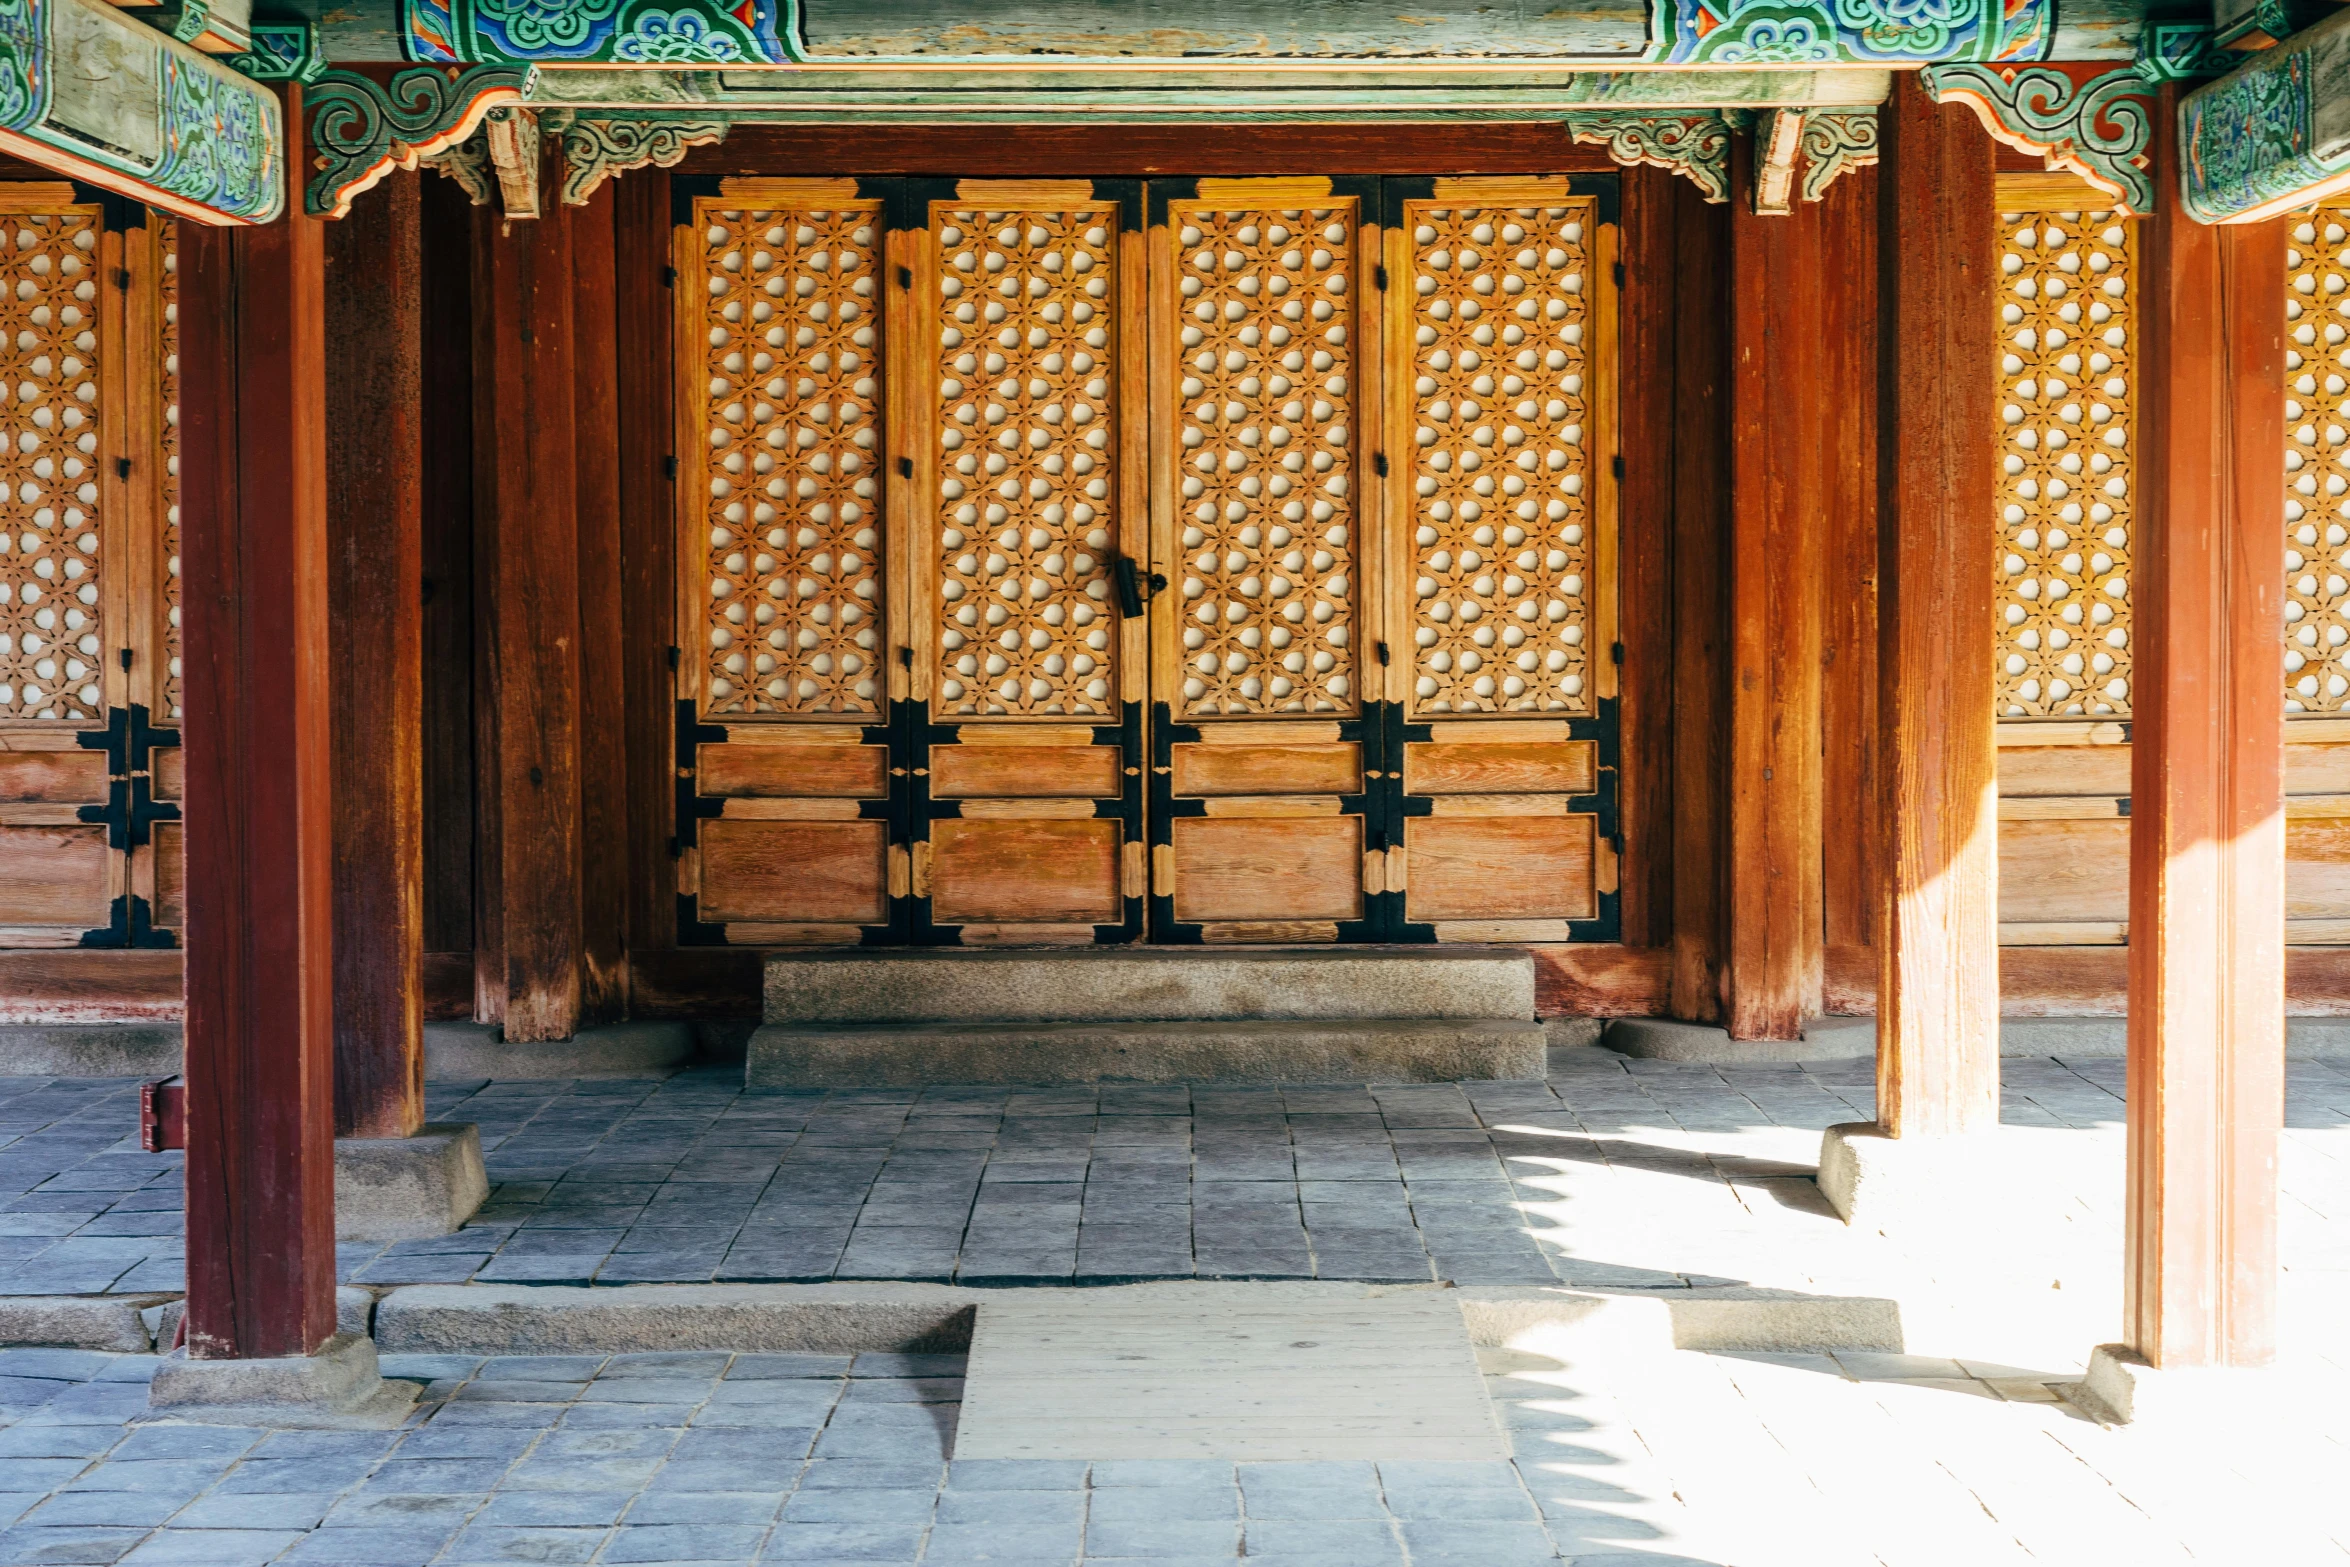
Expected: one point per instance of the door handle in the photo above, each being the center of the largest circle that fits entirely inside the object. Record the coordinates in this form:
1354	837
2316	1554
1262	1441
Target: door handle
1133	586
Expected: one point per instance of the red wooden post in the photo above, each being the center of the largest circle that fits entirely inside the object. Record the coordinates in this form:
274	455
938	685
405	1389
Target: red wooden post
527	668
603	710
2207	858
260	1045
1779	423
375	605
1937	764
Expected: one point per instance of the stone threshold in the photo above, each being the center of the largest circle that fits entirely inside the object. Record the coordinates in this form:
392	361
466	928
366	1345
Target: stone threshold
839	1318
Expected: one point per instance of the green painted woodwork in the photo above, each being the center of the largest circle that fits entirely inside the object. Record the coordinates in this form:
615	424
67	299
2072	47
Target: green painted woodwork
87	92
2273	133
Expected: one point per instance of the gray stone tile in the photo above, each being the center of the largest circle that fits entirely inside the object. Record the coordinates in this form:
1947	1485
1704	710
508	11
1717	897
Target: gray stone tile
1162	1537
483	1545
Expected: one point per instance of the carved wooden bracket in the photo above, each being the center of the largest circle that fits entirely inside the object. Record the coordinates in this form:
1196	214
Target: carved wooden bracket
361	129
2268	136
1695	143
606	146
2096	123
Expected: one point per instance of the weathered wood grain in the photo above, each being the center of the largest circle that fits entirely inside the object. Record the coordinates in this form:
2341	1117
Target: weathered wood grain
1941	847
1025	872
57	875
1267	769
1527	867
375	629
1438	767
446	233
53	777
1651	310
1286	868
1848	617
843	771
1027	770
803	872
603	686
648	548
1781	310
259	974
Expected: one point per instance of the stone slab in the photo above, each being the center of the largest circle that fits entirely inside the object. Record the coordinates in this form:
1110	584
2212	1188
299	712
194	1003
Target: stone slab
495	1319
910	1055
338	1388
1717	1318
1667	1039
1228	1372
143	1050
474	1052
408	1188
354	1313
1144	984
107	1322
2121	1388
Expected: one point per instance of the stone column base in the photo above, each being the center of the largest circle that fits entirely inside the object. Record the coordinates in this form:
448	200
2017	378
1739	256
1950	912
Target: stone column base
406	1188
2122	1388
338	1388
1872	1179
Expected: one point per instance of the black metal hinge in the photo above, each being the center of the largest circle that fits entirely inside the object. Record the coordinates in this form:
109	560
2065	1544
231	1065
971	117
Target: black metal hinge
1615	652
122	467
1382	652
122	279
1619	270
906	278
1379	279
669	277
126	658
668	467
1616	465
1379	464
905	467
676	656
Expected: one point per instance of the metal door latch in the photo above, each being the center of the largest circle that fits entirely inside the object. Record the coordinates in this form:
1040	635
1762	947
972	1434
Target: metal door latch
1133	586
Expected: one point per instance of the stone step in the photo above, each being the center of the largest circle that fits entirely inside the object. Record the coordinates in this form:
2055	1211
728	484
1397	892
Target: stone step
1148	984
1342	1050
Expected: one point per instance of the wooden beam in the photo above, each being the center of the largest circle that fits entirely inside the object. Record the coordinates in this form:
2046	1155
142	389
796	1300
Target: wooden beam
1779	312
375	613
2207	855
1699	822
527	666
260	1042
1937	756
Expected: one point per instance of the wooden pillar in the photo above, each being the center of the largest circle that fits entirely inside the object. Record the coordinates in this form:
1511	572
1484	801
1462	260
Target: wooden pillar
375	614
260	992
527	667
2207	860
603	707
1848	600
449	770
1698	372
1781	414
1937	762
648	546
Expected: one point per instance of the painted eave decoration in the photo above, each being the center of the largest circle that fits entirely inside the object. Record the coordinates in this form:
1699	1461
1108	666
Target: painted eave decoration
123	107
2273	134
751	34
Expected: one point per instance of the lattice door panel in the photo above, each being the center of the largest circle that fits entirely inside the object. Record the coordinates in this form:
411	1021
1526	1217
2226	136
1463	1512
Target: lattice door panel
1501	532
1028	821
1263	394
791	794
87	648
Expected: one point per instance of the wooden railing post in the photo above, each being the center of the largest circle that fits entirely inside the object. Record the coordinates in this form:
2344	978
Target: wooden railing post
1937	781
2207	860
259	1029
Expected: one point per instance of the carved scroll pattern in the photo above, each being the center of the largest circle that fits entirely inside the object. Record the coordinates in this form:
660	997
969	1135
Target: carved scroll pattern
792	459
1266	499
2067	382
2317	463
53	635
170	455
1502	471
1026	502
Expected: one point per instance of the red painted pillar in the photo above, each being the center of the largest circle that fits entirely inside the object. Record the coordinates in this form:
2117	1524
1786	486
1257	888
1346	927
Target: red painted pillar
2207	821
260	998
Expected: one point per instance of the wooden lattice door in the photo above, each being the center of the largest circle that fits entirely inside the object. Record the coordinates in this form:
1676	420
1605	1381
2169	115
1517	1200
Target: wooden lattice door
1282	506
89	651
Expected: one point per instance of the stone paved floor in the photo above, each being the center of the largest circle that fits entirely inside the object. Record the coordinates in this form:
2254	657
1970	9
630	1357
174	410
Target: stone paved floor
1675	1460
1612	1173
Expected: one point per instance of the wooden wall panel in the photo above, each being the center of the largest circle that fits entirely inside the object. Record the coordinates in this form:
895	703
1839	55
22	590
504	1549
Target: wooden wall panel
171	876
1336	768
823	771
2051	871
1016	872
1268	869
52	777
774	872
1848	628
1027	771
60	876
1501	767
1519	867
1652	307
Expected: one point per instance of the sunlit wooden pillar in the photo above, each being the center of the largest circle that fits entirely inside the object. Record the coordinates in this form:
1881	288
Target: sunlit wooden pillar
1937	778
259	977
375	611
1781	415
529	950
2207	856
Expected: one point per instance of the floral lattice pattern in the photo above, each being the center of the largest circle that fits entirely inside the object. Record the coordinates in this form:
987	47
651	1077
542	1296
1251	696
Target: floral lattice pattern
1026	499
170	498
52	623
2067	362
2317	464
1501	479
1265	489
793	463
